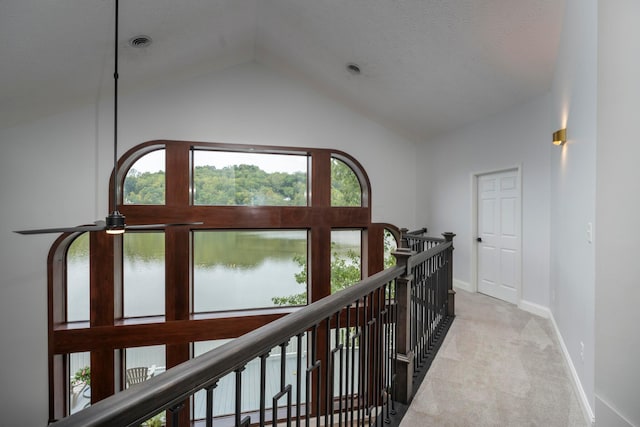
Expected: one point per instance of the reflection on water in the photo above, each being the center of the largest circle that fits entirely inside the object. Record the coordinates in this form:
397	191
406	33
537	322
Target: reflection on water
246	249
244	269
232	270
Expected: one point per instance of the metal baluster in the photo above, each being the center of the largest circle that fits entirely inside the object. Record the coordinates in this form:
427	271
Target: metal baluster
175	414
414	319
337	349
349	348
283	388
377	367
376	355
388	346
313	365
238	414
356	337
299	379
209	410
274	419
364	353
263	387
394	337
328	381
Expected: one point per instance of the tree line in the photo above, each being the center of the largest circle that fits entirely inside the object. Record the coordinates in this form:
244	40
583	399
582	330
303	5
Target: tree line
244	185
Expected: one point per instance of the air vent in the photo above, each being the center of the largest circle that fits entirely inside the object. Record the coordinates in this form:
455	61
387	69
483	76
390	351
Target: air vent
353	68
140	41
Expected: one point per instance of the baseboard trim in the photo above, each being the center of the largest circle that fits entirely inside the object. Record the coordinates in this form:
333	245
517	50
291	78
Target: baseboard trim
577	384
534	308
608	416
465	286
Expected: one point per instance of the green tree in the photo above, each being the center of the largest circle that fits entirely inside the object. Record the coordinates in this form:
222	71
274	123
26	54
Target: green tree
146	188
345	271
345	187
248	185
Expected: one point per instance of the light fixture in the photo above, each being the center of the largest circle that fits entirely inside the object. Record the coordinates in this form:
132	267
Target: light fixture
115	222
560	136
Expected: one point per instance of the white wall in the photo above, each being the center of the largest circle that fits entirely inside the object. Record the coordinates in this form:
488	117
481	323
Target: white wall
54	172
617	373
42	183
573	189
445	169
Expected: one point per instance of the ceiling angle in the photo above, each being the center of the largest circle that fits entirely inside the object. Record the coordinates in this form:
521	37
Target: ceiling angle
114	223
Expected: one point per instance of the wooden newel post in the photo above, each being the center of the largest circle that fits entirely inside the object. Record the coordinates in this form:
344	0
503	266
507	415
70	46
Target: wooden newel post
451	300
404	360
404	243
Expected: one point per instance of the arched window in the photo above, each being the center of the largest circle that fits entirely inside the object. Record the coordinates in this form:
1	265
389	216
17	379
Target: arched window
276	221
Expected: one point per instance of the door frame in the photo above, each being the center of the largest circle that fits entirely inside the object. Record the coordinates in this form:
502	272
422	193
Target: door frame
474	227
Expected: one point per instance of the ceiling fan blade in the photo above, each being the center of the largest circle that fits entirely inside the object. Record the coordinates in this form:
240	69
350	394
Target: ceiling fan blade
156	226
97	226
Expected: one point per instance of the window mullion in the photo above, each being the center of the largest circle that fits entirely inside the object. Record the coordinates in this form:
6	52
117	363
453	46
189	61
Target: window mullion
178	175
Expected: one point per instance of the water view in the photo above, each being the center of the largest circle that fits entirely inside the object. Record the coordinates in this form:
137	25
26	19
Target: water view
232	270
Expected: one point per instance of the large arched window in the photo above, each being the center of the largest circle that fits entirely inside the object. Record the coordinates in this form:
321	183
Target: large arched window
276	221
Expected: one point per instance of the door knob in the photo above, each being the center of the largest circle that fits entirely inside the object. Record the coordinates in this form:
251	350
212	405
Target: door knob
479	239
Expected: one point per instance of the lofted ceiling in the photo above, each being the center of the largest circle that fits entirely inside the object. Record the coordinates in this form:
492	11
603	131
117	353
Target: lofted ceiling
427	66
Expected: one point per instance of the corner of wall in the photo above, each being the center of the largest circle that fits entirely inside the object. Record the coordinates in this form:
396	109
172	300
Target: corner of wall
609	417
462	285
575	379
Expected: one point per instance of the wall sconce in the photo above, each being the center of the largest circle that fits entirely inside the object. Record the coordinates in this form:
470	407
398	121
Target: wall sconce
560	137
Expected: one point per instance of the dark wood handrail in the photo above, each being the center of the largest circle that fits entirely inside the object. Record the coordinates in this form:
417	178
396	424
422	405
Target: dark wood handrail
140	402
429	253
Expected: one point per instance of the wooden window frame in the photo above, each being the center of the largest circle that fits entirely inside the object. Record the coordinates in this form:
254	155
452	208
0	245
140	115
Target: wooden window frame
107	331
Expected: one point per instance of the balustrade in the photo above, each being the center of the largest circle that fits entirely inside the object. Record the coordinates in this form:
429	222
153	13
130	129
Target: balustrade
348	359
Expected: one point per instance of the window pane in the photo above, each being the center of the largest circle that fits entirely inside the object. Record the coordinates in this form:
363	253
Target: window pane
345	187
345	258
144	274
78	279
80	381
248	269
145	180
390	245
142	363
249	179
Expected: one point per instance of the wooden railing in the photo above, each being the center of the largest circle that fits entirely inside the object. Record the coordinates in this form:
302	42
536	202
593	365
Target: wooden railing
349	359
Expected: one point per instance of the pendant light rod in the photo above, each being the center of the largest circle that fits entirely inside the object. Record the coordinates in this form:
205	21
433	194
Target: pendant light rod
115	222
115	116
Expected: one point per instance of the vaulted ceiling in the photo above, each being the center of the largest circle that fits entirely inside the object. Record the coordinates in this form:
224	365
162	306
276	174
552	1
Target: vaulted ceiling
427	66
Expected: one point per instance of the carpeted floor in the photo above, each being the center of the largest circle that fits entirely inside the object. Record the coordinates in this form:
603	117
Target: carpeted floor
498	366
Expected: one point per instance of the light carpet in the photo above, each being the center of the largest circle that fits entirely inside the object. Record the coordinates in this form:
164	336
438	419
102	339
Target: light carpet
498	366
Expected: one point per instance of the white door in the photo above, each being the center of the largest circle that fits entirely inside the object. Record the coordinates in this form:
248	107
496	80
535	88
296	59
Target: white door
498	237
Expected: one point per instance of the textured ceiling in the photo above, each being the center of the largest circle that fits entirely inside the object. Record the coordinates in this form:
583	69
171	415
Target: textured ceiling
428	66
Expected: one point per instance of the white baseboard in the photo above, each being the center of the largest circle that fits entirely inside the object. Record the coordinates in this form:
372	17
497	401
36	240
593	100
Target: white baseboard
533	308
465	286
577	384
608	416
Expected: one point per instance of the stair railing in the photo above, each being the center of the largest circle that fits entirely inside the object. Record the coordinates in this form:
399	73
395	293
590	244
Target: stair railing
347	359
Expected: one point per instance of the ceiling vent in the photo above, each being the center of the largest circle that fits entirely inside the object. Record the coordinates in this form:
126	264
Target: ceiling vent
140	41
353	68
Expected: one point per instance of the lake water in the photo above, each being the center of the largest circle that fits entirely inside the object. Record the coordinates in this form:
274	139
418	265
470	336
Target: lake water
232	270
